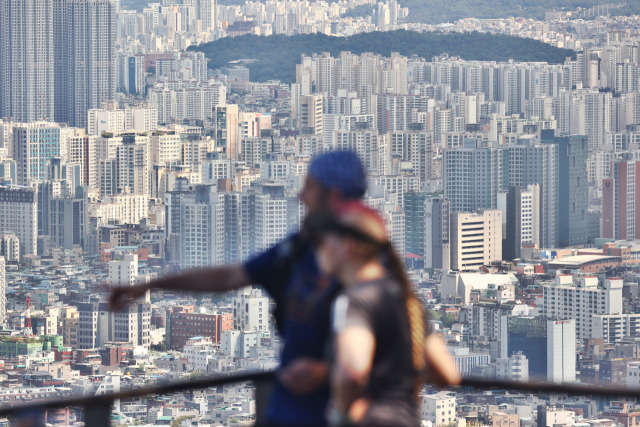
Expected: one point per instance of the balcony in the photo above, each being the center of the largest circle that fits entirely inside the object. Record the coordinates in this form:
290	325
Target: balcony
96	410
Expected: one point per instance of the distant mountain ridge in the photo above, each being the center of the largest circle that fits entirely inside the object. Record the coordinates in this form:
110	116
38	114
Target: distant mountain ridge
438	11
276	56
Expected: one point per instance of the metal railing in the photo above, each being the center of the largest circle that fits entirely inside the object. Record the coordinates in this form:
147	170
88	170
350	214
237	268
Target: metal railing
97	409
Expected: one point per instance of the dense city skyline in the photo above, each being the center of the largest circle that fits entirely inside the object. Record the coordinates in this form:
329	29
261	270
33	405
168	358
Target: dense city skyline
509	188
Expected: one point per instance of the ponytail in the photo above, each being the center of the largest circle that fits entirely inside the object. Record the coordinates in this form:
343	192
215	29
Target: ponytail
415	311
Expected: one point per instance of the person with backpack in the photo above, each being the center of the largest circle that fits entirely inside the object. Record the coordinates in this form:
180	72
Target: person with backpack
303	297
383	348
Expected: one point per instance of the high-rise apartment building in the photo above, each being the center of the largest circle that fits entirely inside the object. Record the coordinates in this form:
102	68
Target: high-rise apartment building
311	114
225	129
476	239
34	144
70	321
414	222
437	233
86	46
364	142
572	187
133	323
528	162
414	147
133	164
111	119
472	177
124	272
561	350
165	147
251	310
3	291
131	76
81	151
10	247
88	327
614	328
68	221
621	201
521	216
209	227
98	325
264	218
206	13
564	300
27	60
549	344
18	215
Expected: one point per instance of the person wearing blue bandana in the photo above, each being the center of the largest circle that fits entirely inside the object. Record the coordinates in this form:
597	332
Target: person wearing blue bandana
303	296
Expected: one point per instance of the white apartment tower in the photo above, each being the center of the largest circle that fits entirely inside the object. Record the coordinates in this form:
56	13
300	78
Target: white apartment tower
564	300
97	325
476	239
561	351
133	164
209	228
513	368
264	219
27	60
439	408
112	119
251	310
133	323
124	272
10	247
471	177
311	114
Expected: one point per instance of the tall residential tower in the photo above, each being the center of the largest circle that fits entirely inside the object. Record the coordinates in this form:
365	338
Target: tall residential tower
26	60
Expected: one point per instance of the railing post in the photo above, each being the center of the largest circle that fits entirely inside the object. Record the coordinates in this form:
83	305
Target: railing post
263	392
98	413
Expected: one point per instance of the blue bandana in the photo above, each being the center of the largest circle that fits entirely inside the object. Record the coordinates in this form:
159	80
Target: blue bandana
342	171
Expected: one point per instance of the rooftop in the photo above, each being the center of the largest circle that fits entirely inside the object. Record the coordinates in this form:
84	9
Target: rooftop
578	260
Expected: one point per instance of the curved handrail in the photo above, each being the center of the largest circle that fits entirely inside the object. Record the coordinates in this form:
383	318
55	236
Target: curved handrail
173	387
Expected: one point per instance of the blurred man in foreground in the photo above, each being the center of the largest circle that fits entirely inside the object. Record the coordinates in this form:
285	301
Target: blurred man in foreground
289	273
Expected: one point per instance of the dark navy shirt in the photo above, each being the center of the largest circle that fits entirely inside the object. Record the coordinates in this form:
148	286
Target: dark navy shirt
290	275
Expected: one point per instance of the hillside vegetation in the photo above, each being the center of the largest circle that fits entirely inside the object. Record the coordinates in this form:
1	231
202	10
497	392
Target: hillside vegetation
276	56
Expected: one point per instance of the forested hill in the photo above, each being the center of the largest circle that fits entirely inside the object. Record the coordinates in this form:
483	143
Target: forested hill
276	56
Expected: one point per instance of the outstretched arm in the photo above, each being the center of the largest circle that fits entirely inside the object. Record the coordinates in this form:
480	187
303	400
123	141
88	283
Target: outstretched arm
442	370
216	279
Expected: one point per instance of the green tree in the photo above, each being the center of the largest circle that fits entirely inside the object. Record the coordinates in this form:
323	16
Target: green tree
179	420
